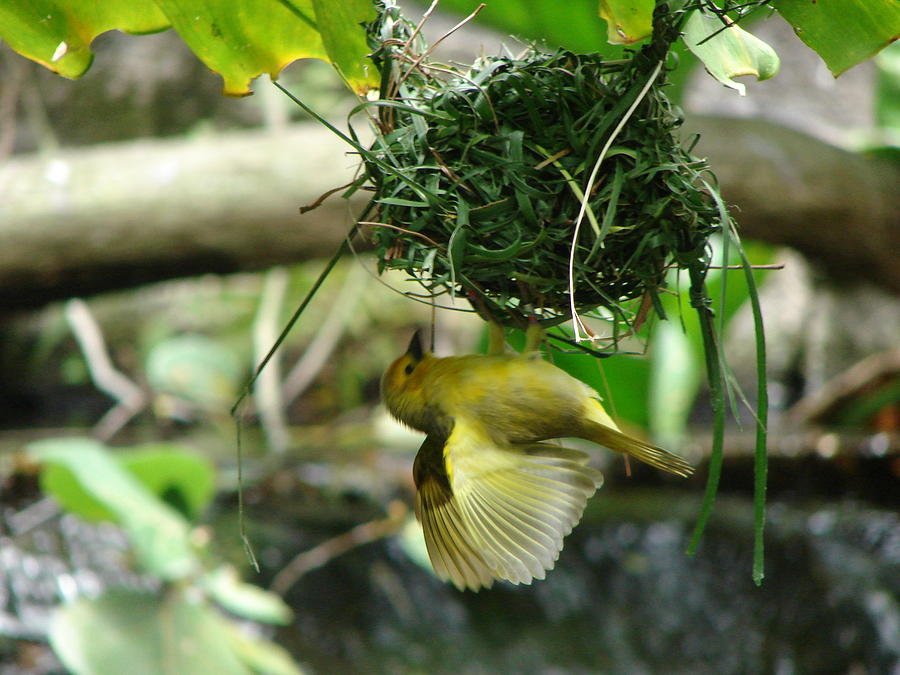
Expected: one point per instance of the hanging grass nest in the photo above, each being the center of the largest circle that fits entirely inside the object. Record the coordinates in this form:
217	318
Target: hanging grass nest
479	176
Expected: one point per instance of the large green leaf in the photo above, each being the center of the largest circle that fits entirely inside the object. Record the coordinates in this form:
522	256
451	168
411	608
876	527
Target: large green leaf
197	369
158	533
574	25
339	24
729	53
245	600
887	98
182	479
843	32
260	654
239	39
141	634
675	379
58	33
627	21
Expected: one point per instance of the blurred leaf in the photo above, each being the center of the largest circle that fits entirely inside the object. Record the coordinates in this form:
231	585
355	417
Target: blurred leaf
843	32
239	39
246	600
195	368
261	655
731	52
345	40
159	535
675	378
183	479
141	634
412	541
58	33
627	21
60	482
887	96
574	25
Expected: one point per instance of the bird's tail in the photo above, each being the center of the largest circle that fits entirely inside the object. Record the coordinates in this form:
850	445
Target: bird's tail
645	452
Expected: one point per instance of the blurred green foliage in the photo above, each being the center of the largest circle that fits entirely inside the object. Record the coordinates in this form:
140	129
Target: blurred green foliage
156	494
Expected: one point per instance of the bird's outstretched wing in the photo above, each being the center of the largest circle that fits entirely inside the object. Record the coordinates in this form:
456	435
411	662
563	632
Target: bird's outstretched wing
454	556
491	512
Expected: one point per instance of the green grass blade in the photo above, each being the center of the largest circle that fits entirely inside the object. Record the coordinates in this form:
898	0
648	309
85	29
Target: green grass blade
700	302
760	461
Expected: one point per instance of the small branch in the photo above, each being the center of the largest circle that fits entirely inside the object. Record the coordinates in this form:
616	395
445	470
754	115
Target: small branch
328	550
131	398
323	344
267	392
865	375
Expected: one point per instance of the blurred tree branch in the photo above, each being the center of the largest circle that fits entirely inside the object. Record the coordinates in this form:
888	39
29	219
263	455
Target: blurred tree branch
119	215
838	208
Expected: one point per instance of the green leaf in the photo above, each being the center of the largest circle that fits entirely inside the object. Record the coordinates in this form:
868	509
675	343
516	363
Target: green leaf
675	378
246	600
183	479
159	535
843	32
59	482
243	40
197	369
627	21
240	40
573	24
887	97
141	634
58	33
345	41
731	52
263	656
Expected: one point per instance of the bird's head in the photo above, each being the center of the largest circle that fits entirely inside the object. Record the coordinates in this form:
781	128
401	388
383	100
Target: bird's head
402	386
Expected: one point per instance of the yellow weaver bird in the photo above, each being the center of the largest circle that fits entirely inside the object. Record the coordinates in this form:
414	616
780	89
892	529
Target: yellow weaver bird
494	501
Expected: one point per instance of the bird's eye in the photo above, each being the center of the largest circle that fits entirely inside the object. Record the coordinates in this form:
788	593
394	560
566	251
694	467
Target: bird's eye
409	368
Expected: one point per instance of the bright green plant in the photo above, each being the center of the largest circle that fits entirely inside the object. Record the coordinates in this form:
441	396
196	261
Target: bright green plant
240	39
156	494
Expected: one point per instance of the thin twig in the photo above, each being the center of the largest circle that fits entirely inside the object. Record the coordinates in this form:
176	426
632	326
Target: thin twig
267	393
430	49
332	548
131	398
322	197
316	355
426	238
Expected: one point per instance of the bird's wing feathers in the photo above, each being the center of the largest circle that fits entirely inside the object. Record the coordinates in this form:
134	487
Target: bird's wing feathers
499	512
449	544
454	556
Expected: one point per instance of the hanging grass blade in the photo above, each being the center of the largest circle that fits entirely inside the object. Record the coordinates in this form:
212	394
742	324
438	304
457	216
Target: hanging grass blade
248	387
700	302
761	414
761	458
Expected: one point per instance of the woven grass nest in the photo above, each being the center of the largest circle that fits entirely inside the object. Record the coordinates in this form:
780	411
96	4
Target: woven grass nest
479	176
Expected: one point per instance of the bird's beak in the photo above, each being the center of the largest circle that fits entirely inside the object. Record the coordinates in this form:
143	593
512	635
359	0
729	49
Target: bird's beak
415	346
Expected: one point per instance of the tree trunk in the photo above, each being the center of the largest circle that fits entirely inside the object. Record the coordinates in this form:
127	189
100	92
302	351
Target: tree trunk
115	216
